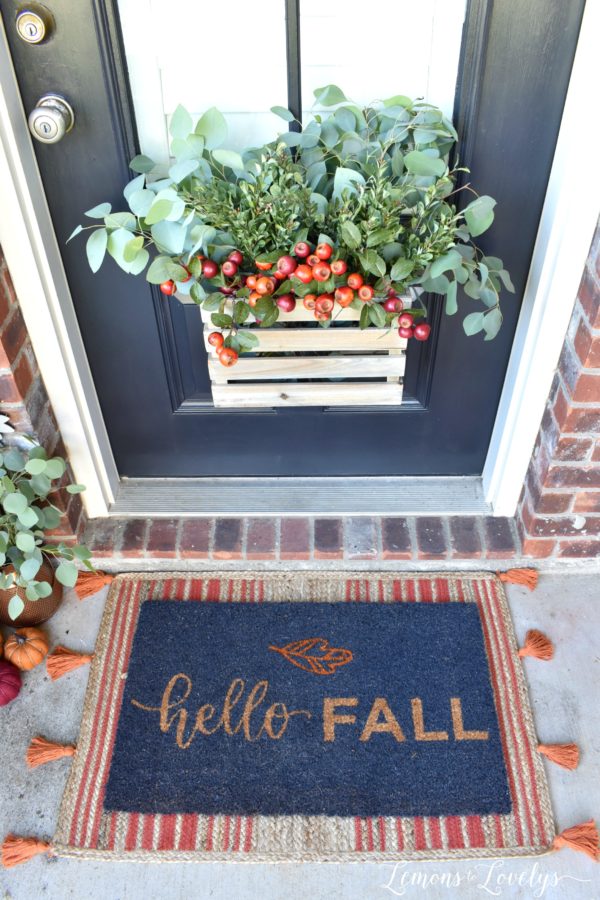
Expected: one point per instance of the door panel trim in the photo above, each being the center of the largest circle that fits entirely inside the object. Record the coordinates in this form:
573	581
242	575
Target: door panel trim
565	232
31	251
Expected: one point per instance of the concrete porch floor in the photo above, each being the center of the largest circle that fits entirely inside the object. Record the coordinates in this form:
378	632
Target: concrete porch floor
564	695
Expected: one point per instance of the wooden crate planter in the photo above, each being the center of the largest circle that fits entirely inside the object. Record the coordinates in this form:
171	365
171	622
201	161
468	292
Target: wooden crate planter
324	369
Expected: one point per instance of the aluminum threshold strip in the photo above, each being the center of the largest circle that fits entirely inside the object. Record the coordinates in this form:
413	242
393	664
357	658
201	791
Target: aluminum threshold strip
373	496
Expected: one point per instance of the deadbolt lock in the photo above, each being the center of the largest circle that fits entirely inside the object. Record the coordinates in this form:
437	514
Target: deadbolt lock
34	23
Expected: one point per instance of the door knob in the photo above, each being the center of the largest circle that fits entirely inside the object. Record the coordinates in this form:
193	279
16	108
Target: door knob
51	119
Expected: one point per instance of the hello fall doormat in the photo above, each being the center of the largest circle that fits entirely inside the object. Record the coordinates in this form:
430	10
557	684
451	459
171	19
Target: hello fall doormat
305	716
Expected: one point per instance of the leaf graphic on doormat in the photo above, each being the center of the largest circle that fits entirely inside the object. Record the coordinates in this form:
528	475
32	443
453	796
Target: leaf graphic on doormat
315	655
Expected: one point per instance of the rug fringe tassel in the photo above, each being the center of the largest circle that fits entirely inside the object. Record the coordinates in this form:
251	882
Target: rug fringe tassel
63	660
528	577
584	838
17	850
564	755
89	583
537	645
41	751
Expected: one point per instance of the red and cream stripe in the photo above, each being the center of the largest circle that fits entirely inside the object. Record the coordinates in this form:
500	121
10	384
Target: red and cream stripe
528	826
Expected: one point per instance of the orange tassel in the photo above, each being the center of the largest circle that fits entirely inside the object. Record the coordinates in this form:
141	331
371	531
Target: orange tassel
564	755
89	583
17	850
537	645
528	577
41	751
583	838
63	660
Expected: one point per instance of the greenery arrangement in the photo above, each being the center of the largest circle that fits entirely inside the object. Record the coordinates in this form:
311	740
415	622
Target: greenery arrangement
361	199
28	480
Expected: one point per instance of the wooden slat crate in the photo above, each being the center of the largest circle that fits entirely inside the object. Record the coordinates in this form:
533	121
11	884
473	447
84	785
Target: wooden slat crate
326	368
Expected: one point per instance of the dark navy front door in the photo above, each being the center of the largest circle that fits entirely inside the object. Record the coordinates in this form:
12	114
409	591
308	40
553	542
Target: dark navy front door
146	353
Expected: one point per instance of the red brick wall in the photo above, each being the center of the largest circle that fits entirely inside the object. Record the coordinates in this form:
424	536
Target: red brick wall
559	511
23	396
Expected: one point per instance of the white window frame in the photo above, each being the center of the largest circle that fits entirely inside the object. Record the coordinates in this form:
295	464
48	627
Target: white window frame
565	232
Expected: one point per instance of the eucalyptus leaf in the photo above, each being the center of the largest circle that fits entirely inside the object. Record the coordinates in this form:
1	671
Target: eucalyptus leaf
160	209
29	568
344	117
479	215
140	262
169	237
75	488
183	169
451	306
202	235
229	158
330	95
140	202
492	322
283	113
96	248
67	574
120	220
213	128
28	518
132	248
320	202
25	541
450	260
15	503
98	212
35	466
346	180
43	589
14	460
52	515
397	163
55	468
473	323
15	606
181	123
419	162
136	184
162	269
142	164
75	232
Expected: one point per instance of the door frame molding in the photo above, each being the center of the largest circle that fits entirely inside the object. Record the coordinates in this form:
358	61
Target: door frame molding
564	235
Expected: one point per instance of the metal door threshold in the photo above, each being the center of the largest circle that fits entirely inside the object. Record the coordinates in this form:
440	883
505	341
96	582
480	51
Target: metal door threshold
339	496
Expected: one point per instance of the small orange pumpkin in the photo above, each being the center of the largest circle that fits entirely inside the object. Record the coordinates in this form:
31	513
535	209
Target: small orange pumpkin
26	648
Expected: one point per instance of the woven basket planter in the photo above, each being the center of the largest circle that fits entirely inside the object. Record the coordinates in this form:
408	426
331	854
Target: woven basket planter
36	611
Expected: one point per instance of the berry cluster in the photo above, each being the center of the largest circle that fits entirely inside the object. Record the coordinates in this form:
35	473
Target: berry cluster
277	284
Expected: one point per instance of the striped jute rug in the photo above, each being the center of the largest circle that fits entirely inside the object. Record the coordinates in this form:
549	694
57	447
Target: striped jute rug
396	726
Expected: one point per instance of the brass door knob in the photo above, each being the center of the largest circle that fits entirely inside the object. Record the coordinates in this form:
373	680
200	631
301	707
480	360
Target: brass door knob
51	119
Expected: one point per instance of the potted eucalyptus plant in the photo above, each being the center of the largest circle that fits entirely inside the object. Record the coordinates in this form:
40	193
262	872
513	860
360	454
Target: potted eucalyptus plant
33	569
